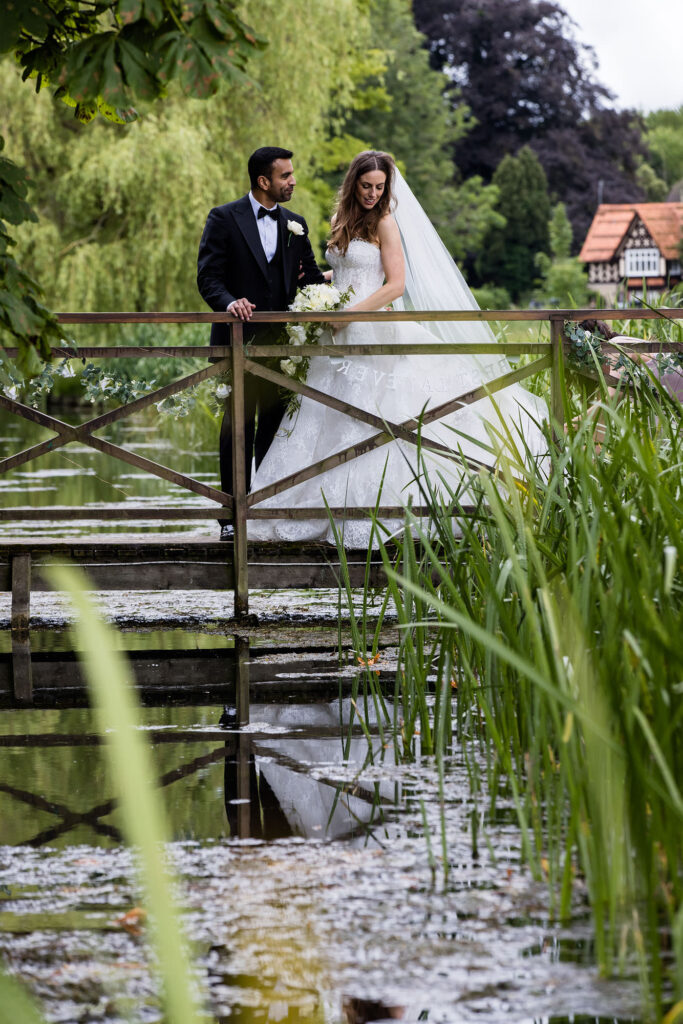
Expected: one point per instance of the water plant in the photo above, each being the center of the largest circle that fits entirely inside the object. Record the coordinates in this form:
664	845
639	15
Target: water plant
542	635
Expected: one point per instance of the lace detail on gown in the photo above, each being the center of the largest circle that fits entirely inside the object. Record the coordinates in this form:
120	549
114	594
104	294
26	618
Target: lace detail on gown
395	388
360	268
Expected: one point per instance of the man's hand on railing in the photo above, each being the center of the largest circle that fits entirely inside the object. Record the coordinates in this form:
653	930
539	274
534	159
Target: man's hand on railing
241	309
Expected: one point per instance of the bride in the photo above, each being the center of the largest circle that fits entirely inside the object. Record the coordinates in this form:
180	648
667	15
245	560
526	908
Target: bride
383	246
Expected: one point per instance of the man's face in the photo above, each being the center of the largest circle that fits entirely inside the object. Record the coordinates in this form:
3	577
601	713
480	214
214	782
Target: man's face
280	183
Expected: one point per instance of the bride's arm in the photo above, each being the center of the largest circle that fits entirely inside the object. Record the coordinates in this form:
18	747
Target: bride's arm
394	268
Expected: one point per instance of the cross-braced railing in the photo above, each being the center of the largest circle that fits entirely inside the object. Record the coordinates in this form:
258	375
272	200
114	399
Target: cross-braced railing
240	360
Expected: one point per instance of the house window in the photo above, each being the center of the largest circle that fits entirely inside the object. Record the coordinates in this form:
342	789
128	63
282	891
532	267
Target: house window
675	268
642	262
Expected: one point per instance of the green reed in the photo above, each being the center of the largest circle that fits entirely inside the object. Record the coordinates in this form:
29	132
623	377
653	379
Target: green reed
543	634
131	769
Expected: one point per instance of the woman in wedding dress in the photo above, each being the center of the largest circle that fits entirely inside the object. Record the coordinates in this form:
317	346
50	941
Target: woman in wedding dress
383	247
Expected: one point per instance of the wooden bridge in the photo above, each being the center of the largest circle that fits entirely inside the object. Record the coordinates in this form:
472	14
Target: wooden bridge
175	561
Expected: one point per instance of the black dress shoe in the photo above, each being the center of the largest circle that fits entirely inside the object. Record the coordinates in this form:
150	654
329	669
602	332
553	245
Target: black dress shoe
227	532
228	719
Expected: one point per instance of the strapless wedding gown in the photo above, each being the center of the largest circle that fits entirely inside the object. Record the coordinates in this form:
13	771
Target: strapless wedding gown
395	388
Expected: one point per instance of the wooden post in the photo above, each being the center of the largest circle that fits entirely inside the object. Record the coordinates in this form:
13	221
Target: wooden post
242	679
556	399
239	483
244	794
22	677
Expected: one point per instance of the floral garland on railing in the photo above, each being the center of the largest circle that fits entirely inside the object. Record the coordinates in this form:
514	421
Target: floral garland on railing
104	384
586	350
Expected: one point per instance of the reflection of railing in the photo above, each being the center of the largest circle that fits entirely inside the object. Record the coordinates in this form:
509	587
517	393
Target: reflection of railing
240	506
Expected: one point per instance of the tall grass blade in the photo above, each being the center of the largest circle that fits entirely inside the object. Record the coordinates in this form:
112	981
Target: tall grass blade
131	769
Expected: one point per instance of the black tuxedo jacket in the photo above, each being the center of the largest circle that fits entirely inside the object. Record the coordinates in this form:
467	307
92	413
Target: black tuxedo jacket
232	264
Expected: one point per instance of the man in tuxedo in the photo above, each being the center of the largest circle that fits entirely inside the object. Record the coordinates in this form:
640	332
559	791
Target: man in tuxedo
253	256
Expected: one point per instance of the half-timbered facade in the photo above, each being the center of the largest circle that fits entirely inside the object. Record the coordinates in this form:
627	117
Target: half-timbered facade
632	245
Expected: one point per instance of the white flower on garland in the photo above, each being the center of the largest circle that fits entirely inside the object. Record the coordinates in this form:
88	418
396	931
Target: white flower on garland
297	334
223	391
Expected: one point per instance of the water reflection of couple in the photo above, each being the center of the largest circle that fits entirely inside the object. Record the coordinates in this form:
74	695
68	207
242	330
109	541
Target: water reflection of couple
382	245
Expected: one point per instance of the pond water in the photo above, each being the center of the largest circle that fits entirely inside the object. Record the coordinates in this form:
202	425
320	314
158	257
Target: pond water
77	475
312	880
307	881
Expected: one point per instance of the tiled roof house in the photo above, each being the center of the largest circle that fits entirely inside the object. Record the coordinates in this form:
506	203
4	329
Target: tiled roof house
630	241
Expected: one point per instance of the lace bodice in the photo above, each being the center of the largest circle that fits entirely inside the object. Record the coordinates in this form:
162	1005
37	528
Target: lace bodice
359	268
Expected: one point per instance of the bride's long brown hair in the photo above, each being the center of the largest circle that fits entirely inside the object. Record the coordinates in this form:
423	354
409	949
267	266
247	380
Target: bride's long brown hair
350	220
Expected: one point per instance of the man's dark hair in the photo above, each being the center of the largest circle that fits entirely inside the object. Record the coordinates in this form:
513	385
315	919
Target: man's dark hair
261	162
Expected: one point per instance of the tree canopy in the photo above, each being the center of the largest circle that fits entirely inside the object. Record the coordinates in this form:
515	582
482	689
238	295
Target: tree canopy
508	258
121	207
563	280
418	125
110	54
518	67
664	137
100	58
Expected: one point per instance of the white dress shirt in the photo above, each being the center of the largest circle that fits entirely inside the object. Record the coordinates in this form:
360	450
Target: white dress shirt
267	229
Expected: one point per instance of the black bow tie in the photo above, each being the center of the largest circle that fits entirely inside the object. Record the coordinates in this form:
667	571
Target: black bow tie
262	212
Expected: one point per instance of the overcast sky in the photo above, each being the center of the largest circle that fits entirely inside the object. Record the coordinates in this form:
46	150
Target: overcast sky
639	46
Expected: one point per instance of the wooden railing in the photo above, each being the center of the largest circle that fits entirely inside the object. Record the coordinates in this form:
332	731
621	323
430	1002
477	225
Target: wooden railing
240	506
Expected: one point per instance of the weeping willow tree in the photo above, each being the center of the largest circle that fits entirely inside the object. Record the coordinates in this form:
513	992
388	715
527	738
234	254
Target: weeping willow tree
121	207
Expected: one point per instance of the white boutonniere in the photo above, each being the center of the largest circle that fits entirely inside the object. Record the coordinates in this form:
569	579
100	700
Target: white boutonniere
294	228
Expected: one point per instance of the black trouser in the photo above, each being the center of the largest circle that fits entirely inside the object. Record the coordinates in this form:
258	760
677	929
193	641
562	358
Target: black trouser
264	408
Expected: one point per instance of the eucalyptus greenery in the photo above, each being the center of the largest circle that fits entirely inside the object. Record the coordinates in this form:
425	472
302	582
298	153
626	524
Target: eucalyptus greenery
586	349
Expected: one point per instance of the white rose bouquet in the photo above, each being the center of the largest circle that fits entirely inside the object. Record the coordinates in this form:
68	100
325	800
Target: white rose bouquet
313	298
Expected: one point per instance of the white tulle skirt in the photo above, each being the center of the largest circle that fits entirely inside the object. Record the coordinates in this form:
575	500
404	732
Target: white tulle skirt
395	388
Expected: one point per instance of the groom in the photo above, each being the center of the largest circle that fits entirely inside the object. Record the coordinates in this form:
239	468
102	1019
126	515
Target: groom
253	256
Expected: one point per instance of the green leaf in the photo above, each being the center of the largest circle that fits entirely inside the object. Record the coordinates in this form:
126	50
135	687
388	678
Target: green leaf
118	115
85	112
130	11
84	69
138	72
16	1006
184	59
36	19
18	315
131	768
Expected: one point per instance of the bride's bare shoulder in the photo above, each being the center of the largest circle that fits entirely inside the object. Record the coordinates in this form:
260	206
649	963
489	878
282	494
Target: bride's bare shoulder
387	229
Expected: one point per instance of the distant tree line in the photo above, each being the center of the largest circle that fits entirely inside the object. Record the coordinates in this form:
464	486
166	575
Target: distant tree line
493	109
527	82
